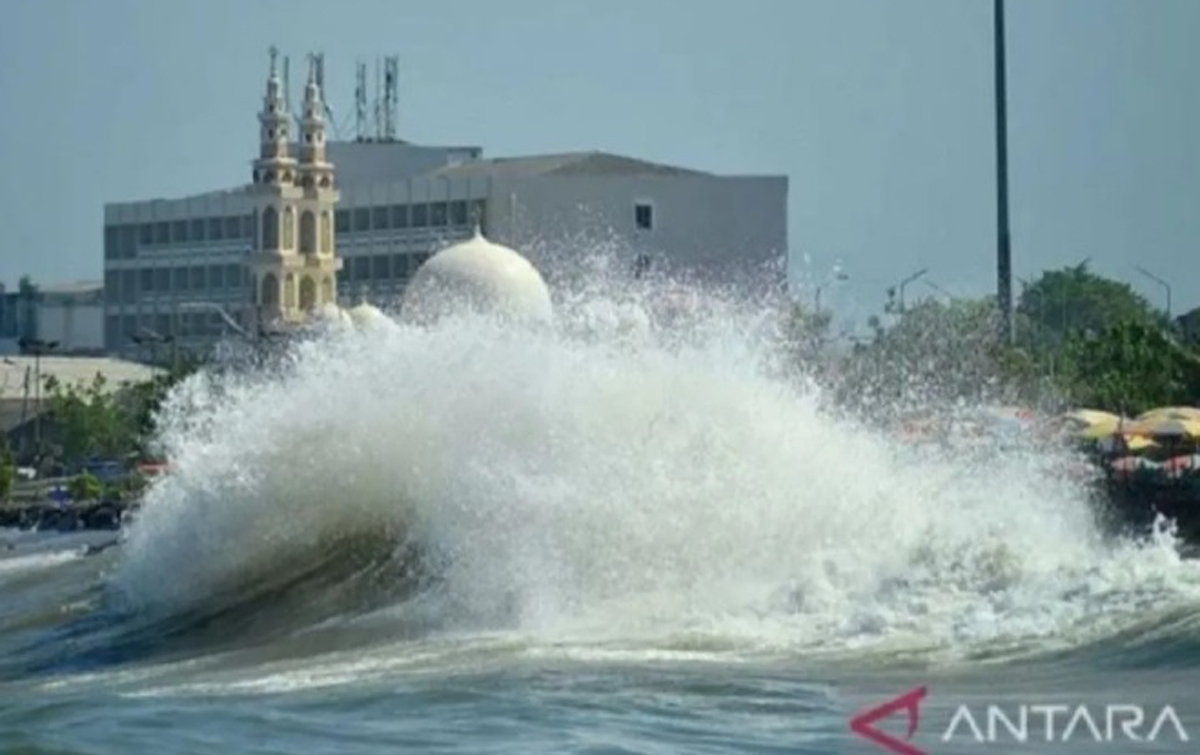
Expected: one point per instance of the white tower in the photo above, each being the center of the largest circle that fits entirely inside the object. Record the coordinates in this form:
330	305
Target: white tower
318	246
293	264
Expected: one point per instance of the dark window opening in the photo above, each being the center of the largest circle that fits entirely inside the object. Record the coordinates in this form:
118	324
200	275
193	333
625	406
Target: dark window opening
643	217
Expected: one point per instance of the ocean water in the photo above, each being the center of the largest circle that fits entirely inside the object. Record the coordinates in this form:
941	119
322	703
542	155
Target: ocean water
627	533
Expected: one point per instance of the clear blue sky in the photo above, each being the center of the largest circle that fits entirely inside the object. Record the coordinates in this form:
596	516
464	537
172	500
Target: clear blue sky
879	111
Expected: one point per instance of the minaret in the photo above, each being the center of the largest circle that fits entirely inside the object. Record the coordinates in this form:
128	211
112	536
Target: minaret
274	194
318	247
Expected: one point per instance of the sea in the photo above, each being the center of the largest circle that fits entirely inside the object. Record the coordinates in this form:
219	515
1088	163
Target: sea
626	532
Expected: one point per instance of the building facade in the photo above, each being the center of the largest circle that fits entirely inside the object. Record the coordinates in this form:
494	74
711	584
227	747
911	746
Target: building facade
68	315
181	267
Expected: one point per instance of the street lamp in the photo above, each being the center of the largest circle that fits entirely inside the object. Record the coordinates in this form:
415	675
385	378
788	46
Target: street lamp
37	347
838	275
154	338
902	284
1166	287
208	306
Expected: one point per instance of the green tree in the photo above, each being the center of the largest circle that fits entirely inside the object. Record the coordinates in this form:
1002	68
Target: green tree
85	487
1129	368
1075	299
935	352
90	418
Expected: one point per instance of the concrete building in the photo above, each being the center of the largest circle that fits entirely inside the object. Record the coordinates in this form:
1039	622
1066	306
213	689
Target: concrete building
170	264
70	315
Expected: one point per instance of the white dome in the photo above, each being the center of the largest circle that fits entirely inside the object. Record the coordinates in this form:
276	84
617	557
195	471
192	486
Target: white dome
366	315
479	276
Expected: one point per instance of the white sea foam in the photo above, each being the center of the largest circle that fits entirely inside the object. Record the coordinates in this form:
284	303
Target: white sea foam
623	483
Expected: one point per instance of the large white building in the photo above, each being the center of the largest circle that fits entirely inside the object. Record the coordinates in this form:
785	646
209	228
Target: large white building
168	262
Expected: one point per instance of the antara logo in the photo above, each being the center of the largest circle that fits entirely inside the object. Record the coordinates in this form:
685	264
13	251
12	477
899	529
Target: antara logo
1023	723
864	723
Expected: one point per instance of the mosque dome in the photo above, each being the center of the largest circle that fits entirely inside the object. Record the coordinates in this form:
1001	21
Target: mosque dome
366	315
477	276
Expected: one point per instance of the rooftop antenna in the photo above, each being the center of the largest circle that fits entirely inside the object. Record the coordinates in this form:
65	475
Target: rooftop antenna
360	101
378	105
391	73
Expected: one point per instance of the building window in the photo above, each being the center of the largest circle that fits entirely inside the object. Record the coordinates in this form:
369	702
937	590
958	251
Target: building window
399	216
162	279
146	234
250	227
112	286
112	331
233	276
112	241
129	290
128	241
215	229
197	277
362	268
233	227
179	231
643	216
181	279
400	266
147	276
420	216
162	232
381	218
341	221
439	214
197	233
362	219
216	276
458	212
381	266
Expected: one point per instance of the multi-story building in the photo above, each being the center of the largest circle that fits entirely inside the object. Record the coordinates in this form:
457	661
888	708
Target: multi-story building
170	264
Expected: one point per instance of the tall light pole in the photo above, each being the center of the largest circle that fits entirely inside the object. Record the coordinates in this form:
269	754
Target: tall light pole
1166	287
902	284
37	347
1003	241
838	275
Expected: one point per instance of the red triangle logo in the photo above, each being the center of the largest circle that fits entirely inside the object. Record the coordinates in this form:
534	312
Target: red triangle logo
909	702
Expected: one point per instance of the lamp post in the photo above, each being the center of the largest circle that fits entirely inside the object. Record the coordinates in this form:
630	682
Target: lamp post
838	275
1165	286
904	283
1003	240
208	306
154	339
37	347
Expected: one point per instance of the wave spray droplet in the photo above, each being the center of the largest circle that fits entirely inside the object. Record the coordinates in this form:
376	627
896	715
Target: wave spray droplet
587	490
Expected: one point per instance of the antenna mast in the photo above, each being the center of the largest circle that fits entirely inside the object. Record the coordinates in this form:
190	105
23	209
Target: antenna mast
360	101
391	73
378	106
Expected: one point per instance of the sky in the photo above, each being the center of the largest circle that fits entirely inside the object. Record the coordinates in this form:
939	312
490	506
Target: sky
879	112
